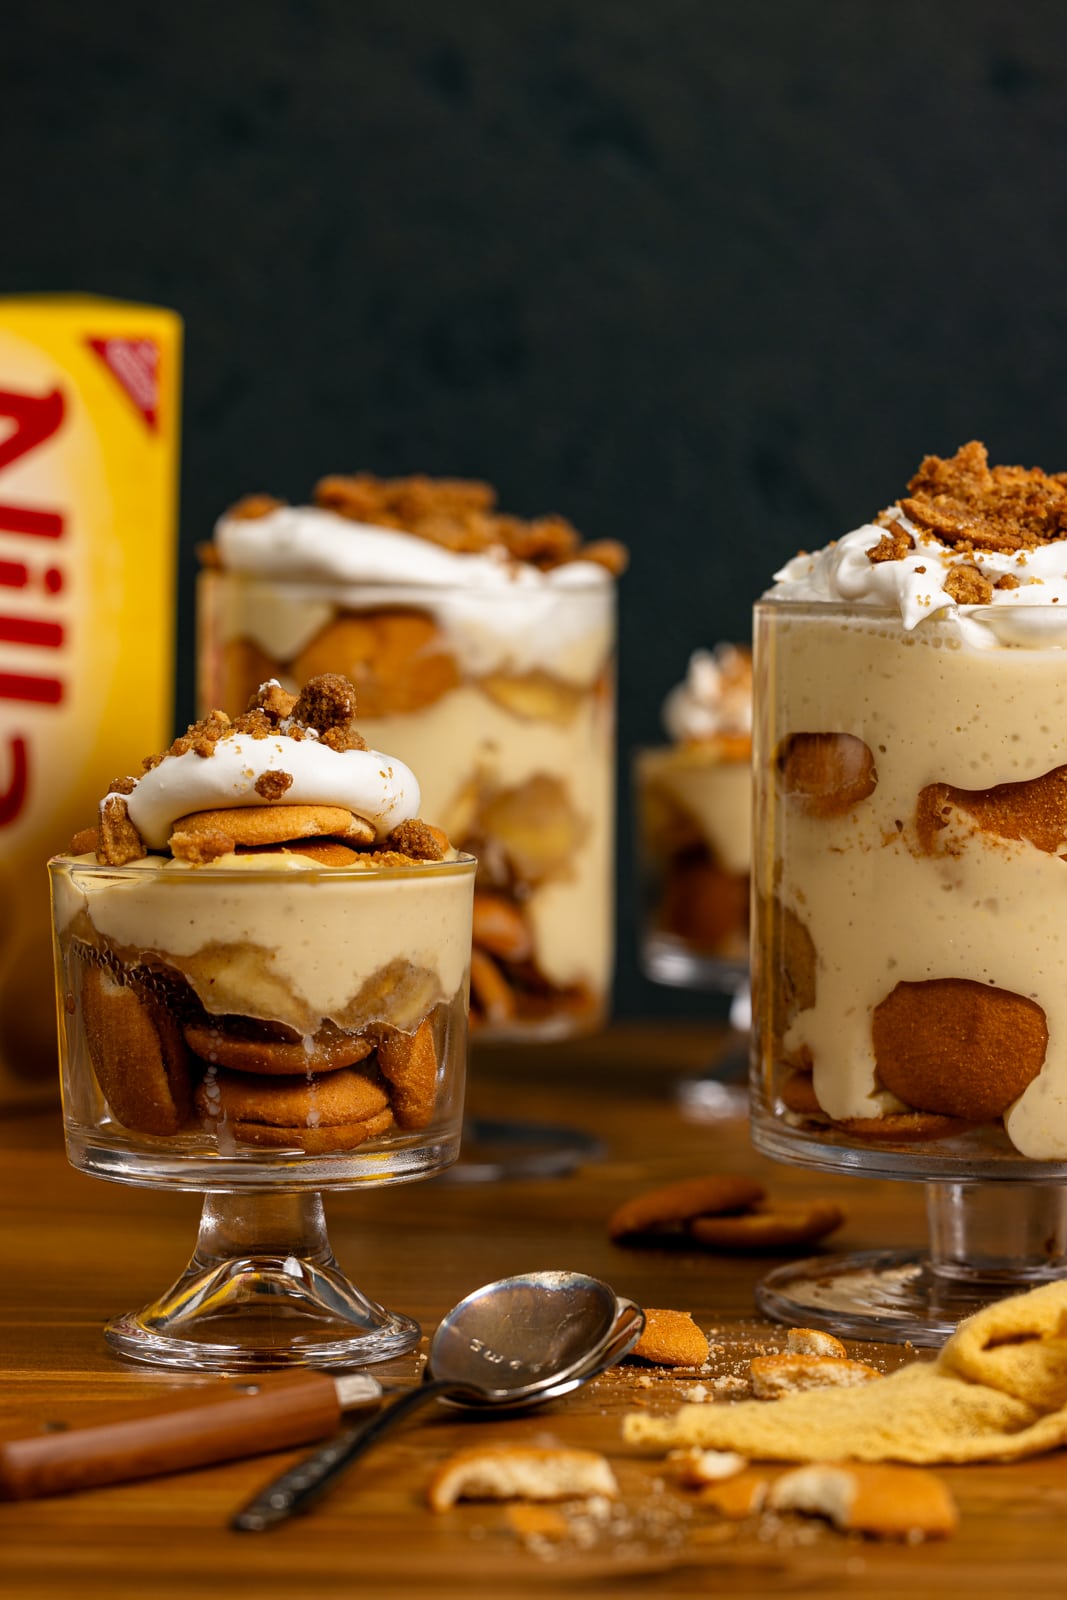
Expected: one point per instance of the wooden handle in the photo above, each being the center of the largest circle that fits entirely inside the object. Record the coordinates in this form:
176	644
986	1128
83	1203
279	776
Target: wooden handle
195	1432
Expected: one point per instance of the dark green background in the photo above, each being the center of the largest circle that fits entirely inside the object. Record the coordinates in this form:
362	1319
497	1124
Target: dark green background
707	278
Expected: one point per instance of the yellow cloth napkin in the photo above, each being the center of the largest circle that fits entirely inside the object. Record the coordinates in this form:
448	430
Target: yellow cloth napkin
997	1390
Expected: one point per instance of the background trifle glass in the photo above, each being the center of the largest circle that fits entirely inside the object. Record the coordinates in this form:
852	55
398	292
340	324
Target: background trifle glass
482	649
263	1000
482	652
693	804
910	953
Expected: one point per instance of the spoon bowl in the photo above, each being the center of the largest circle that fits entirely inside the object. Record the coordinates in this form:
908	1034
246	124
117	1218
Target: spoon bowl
506	1343
521	1341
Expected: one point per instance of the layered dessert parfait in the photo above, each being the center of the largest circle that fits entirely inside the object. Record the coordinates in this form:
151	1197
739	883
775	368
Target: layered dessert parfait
262	957
482	652
910	964
694	802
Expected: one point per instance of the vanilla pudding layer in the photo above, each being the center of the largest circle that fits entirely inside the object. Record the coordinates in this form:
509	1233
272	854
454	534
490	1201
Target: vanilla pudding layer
714	795
524	620
468	747
283	942
879	910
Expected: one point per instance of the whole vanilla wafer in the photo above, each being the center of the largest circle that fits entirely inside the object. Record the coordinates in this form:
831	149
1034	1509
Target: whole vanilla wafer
675	1203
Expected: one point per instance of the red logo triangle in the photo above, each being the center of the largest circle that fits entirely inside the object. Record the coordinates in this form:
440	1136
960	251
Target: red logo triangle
135	365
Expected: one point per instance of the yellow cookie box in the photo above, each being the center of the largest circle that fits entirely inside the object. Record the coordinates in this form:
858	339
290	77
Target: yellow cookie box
89	429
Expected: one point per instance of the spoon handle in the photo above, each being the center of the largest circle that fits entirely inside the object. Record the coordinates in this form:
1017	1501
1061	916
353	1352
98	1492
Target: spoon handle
294	1491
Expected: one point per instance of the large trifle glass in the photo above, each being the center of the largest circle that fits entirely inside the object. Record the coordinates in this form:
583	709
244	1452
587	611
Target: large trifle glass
910	947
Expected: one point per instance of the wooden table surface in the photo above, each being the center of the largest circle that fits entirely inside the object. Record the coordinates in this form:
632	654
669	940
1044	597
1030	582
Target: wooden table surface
77	1250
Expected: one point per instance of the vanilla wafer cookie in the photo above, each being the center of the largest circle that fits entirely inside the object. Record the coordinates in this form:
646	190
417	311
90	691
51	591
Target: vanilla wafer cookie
139	1057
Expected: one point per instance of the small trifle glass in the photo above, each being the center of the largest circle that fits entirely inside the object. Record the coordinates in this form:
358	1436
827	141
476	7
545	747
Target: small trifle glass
694	813
910	950
482	652
693	805
262	995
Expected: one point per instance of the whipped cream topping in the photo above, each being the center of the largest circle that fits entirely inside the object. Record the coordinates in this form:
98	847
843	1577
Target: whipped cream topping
309	543
715	697
497	613
374	786
1032	615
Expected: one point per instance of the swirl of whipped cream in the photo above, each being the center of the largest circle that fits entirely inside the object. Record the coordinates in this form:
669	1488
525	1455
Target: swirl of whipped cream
498	613
376	787
1031	615
307	543
715	697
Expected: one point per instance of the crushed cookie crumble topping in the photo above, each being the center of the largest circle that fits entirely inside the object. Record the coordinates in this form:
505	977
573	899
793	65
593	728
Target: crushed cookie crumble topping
458	514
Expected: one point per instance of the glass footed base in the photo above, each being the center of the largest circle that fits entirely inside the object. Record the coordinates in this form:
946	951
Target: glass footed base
890	1295
262	1290
987	1241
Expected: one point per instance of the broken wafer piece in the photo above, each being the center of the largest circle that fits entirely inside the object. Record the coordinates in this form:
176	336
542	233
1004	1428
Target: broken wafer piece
520	1472
787	1374
814	1342
671	1339
695	1467
739	1496
674	1203
886	1502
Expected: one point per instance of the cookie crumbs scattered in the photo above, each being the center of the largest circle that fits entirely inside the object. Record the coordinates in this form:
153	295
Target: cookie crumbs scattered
328	701
892	546
341	739
968	586
200	849
968	505
418	839
272	785
457	514
322	711
253	506
119	841
274	701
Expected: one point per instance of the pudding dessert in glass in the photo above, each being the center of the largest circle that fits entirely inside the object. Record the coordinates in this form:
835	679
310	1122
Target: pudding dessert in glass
694	809
693	801
262	963
482	652
910	953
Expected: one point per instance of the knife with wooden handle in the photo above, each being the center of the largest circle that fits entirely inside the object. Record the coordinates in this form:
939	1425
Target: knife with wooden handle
251	1418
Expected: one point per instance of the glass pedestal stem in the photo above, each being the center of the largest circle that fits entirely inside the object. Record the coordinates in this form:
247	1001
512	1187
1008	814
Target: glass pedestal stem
262	1290
288	1224
988	1234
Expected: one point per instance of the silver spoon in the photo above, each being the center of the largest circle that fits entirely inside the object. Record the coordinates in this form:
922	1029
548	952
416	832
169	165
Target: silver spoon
518	1342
